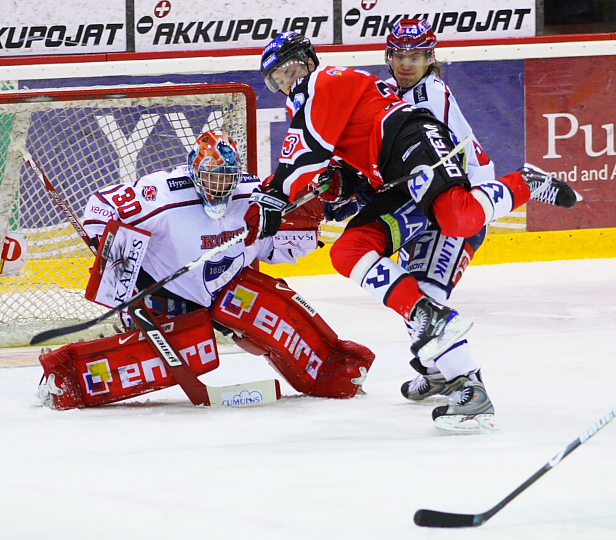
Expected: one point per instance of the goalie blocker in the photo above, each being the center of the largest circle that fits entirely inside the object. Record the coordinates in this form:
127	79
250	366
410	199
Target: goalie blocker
269	319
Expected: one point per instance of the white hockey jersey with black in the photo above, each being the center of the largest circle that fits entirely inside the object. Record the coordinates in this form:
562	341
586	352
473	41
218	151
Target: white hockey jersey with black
167	205
432	93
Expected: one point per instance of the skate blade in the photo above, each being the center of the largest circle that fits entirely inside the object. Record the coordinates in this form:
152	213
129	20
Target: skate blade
456	328
466	425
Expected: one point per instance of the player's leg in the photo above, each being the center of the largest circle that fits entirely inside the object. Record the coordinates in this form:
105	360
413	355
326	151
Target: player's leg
362	254
438	262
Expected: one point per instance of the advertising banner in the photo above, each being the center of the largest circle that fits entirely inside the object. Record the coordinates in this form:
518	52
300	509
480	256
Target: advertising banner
369	21
570	121
31	27
167	25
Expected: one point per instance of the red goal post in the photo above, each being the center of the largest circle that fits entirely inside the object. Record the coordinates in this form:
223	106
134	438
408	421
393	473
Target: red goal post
84	139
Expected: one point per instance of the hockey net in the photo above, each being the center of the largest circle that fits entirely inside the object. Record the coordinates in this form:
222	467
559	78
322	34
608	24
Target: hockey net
84	139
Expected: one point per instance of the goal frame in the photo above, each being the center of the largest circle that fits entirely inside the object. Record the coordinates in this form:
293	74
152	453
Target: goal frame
102	96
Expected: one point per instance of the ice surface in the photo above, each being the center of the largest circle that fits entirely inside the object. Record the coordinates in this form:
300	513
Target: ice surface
307	469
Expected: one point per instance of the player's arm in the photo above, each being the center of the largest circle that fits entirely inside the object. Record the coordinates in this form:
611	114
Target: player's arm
97	213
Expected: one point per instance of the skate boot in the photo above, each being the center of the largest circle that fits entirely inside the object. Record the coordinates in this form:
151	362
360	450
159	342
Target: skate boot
425	386
469	409
436	328
547	189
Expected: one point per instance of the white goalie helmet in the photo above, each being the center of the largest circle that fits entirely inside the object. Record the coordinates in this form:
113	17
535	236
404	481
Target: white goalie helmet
215	170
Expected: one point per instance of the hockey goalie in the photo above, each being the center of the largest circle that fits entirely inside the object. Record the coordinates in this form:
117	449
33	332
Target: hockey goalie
148	229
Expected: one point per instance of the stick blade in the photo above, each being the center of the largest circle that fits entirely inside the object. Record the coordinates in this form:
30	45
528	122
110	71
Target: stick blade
444	520
46	335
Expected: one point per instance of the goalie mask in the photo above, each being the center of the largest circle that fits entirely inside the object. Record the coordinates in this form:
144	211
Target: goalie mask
287	57
215	170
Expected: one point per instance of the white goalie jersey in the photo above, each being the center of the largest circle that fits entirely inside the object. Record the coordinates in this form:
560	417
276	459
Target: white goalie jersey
167	206
433	94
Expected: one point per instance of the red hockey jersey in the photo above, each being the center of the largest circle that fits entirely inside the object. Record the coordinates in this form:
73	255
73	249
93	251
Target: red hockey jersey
336	113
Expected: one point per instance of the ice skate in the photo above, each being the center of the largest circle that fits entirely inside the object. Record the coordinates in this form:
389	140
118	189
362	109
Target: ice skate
547	189
436	327
469	410
425	386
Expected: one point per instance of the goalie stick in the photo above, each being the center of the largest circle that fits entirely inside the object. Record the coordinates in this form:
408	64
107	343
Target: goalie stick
65	330
66	209
434	518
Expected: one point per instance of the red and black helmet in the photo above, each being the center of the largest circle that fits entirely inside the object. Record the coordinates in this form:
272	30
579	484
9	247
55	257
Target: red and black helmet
410	34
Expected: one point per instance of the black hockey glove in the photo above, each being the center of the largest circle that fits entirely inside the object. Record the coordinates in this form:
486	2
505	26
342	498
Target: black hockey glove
264	215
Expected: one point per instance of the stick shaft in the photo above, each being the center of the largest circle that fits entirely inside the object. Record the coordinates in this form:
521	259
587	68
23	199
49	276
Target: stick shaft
435	518
66	209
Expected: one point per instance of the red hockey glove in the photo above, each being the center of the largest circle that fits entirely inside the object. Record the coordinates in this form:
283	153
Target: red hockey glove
264	215
335	191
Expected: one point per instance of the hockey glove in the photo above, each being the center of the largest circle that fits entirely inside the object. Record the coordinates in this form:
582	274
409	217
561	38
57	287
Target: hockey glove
264	215
341	184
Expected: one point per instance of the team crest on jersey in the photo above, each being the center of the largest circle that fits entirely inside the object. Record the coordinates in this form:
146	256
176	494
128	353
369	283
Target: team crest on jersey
217	274
149	193
293	146
238	301
335	72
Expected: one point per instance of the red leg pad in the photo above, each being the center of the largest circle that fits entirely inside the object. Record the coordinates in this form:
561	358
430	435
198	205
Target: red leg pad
120	367
273	320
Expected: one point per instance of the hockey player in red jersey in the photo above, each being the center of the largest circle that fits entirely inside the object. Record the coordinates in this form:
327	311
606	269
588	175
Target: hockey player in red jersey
357	120
168	219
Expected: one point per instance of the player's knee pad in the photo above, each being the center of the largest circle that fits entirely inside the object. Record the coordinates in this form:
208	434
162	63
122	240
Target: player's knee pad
388	282
273	320
115	368
501	196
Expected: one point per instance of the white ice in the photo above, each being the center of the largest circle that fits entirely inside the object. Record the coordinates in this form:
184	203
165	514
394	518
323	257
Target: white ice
307	469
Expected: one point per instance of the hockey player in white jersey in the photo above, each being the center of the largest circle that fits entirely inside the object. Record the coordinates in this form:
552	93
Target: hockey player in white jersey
170	206
171	218
436	260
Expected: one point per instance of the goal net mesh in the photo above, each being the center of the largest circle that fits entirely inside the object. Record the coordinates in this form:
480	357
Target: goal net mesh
83	140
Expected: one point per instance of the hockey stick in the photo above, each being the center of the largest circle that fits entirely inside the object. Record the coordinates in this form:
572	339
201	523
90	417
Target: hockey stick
434	518
68	212
196	391
65	330
238	395
456	149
